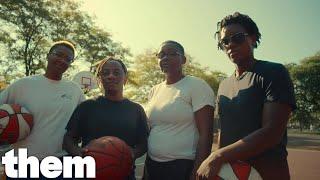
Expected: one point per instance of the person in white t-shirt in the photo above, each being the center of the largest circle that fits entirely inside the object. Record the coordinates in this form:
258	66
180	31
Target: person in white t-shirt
50	99
180	111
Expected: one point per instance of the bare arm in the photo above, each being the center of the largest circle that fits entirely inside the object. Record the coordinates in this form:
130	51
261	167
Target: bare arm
204	122
274	121
70	143
142	130
140	149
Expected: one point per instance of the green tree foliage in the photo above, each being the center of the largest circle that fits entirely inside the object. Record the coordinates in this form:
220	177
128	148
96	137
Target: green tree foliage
22	32
29	27
306	78
97	44
213	78
147	73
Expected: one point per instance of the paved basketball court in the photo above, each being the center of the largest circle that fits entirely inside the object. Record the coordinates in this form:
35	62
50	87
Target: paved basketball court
303	164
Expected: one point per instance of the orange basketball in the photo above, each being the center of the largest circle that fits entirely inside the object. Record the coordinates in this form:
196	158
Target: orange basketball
238	170
15	123
113	158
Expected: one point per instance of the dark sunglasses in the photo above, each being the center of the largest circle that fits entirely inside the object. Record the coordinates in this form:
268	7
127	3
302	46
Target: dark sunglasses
237	38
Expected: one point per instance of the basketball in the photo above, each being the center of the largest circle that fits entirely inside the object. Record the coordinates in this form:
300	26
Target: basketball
238	171
15	123
113	158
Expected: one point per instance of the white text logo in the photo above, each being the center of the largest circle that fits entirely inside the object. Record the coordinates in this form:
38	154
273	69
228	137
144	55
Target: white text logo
50	167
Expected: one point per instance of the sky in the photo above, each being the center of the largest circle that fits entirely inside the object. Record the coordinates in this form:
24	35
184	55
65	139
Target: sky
289	28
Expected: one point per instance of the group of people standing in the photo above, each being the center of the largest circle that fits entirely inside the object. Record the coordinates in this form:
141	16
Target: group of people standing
252	106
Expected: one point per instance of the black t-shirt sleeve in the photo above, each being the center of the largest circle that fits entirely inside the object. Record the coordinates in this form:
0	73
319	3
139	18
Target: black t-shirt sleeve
142	126
279	87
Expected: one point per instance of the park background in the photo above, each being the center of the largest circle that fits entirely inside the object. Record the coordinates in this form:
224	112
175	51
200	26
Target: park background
133	30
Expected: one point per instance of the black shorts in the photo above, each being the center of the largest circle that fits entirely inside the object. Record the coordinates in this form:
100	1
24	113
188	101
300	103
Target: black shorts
172	170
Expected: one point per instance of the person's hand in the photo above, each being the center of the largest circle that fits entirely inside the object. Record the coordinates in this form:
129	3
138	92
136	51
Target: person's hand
84	151
210	167
80	151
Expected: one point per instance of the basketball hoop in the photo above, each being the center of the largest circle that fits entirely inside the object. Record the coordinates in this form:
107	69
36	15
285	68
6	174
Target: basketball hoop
86	80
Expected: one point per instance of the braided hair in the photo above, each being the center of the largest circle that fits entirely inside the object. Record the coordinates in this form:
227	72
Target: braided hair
243	20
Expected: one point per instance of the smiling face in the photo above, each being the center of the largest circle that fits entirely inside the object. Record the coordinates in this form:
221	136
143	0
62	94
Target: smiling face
170	59
113	77
59	59
237	44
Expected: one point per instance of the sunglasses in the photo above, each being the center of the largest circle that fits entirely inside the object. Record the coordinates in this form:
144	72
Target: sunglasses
237	38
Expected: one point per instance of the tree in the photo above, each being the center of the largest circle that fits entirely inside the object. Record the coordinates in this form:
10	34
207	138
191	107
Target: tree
97	44
23	32
213	78
306	77
146	74
30	27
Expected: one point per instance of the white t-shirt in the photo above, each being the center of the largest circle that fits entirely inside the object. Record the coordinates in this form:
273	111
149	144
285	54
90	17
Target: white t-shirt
51	103
170	110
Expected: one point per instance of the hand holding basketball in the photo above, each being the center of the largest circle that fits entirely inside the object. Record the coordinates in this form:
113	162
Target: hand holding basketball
213	169
210	167
80	151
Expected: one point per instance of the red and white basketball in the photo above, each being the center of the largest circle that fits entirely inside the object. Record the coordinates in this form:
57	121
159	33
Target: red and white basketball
238	171
15	123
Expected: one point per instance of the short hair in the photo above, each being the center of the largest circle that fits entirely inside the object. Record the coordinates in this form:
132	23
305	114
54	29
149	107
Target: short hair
243	20
102	62
177	45
64	43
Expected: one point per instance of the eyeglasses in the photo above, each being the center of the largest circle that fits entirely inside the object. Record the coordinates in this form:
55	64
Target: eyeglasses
237	38
65	57
162	55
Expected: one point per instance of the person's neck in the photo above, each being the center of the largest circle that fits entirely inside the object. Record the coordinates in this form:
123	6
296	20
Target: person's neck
53	76
113	96
245	66
173	78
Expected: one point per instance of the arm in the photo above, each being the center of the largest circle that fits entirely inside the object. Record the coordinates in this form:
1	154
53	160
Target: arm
4	95
141	147
70	143
204	123
72	137
274	123
274	120
13	93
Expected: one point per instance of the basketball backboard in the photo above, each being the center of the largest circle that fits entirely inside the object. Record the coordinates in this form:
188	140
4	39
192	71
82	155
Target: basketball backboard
86	80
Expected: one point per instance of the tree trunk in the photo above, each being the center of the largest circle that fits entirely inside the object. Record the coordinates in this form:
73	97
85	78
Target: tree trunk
300	125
